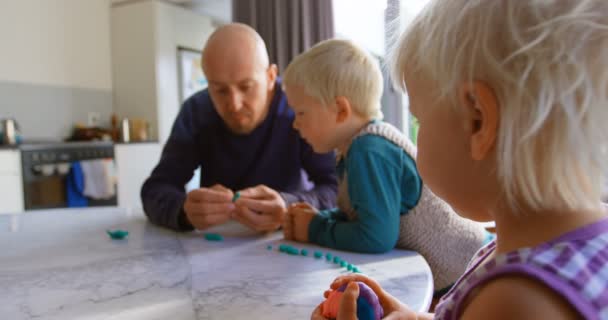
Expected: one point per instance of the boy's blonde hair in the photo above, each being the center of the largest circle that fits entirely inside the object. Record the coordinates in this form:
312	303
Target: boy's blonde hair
335	68
547	61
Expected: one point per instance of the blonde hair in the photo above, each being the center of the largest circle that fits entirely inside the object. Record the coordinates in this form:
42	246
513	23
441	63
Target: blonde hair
335	68
547	62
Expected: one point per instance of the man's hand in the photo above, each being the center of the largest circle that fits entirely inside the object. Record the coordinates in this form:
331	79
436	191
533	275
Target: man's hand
207	207
297	220
260	208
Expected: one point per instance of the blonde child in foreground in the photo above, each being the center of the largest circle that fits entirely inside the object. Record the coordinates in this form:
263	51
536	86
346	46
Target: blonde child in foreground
512	101
334	89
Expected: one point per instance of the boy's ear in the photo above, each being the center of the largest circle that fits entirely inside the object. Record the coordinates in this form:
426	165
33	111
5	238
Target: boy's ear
481	117
343	109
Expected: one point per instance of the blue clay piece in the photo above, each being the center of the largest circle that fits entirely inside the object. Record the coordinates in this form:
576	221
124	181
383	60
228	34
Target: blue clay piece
368	305
349	267
318	254
304	252
117	234
213	237
342	263
336	259
328	256
236	196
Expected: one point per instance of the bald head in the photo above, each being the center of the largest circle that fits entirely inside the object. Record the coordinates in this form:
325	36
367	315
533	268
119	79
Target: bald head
235	43
241	80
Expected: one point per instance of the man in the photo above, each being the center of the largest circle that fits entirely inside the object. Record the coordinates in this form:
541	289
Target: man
239	131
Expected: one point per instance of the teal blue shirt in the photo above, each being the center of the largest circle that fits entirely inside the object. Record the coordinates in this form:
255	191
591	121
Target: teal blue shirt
383	184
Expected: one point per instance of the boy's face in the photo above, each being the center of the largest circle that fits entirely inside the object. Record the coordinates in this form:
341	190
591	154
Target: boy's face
315	122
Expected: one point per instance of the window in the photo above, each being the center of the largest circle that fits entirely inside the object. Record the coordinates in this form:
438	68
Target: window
364	21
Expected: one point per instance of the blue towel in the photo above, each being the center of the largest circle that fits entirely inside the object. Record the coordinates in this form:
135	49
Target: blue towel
75	187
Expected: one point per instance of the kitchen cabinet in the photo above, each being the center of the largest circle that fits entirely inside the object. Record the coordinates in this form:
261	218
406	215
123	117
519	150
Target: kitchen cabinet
11	185
134	163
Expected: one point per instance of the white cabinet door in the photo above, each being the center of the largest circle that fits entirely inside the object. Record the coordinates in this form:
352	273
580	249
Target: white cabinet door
11	186
134	163
10	161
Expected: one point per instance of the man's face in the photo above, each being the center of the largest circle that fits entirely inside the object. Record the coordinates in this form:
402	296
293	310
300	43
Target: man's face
241	92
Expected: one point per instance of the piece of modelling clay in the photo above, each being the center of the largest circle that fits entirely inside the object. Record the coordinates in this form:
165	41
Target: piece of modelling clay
337	259
343	263
117	234
355	269
318	254
328	256
236	196
213	237
269	247
349	267
368	304
304	252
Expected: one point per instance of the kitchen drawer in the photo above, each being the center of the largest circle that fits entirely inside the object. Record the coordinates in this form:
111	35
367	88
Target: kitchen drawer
11	193
10	162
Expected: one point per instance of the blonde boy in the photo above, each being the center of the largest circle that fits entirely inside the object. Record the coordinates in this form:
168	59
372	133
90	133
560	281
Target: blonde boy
334	90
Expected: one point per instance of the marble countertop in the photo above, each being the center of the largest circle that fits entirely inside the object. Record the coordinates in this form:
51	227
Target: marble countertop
61	264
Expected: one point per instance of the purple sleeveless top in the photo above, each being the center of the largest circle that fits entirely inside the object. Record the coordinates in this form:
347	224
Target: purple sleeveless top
575	266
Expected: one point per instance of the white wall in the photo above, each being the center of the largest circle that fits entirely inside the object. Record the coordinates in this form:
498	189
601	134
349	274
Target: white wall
176	27
133	62
145	37
218	10
56	42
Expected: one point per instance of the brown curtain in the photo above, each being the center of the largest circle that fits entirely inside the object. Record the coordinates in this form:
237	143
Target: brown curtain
288	27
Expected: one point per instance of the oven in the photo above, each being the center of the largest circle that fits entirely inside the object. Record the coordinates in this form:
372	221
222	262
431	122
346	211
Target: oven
47	167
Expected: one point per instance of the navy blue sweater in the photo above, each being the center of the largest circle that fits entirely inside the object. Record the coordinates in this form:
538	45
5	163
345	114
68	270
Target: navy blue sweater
273	154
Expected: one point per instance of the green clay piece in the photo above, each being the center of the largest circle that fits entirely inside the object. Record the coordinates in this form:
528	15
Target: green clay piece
355	269
328	256
336	259
293	251
342	263
117	234
318	254
282	248
304	252
214	237
236	196
269	247
349	267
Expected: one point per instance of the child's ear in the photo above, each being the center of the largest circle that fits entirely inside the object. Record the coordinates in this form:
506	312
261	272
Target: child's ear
481	117
343	109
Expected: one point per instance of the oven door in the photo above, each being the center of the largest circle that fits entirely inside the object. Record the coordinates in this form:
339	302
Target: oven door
46	174
44	191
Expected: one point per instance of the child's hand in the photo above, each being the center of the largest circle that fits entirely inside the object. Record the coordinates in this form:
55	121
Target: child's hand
297	220
393	309
348	304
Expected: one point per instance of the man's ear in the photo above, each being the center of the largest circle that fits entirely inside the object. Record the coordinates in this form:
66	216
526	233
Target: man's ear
481	112
271	73
343	109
